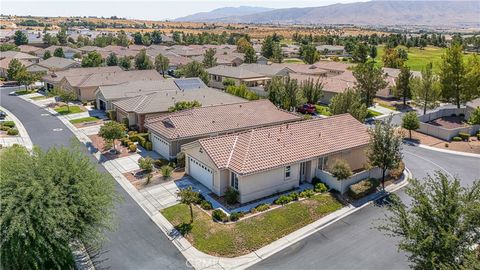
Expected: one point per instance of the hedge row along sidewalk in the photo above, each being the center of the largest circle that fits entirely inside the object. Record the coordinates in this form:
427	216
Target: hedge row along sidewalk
245	236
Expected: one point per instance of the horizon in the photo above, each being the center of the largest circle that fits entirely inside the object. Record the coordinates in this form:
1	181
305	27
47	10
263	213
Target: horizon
157	9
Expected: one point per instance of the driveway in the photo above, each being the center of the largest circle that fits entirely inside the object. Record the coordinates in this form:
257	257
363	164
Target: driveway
137	243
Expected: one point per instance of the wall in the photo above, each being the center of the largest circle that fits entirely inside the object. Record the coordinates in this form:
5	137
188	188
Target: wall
88	93
218	182
342	185
356	158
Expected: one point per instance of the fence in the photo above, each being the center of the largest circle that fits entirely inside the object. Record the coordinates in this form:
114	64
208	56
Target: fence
441	132
342	185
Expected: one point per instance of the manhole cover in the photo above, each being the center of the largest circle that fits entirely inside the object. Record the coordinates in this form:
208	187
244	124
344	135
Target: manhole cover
57	129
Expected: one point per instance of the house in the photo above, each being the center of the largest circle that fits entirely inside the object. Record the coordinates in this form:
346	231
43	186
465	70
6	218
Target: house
175	61
331	50
262	60
291	51
239	75
268	70
5	62
137	108
170	131
67	51
54	79
19	56
53	64
85	85
302	69
331	85
29	49
265	161
229	59
334	68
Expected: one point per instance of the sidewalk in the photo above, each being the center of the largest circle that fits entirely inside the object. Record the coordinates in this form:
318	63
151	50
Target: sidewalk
23	138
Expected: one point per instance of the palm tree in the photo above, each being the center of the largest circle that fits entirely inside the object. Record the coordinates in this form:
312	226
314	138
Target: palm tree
188	197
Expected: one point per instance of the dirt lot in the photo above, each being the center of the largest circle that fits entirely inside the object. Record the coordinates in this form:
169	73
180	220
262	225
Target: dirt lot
473	146
449	122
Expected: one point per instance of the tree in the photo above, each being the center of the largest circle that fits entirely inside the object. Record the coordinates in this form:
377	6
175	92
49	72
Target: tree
292	97
267	47
47	55
341	170
59	52
472	77
125	62
474	118
146	164
385	147
156	37
20	38
184	105
360	53
122	39
369	80
426	90
62	36
66	96
439	227
243	44
277	55
349	101
310	54
250	56
209	59
373	52
161	64
403	84
50	200
195	69
93	59
15	70
188	197
312	90
142	61
410	122
112	131
392	59
112	59
241	91
137	38
452	75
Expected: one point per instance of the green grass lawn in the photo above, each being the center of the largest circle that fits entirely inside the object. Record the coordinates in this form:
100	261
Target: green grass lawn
63	110
372	113
84	119
418	59
253	233
323	110
293	61
38	98
25	92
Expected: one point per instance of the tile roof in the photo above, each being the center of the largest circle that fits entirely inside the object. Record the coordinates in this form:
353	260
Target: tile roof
6	61
332	65
330	84
271	147
28	48
17	55
58	76
136	88
57	63
302	68
219	119
162	100
112	78
234	72
266	70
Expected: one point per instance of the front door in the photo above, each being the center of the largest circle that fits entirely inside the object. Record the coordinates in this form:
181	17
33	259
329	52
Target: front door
303	171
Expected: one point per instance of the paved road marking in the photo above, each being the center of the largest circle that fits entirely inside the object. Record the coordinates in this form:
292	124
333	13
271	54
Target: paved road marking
57	129
45	114
435	164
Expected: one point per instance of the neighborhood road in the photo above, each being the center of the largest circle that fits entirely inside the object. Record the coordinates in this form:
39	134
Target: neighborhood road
353	242
137	242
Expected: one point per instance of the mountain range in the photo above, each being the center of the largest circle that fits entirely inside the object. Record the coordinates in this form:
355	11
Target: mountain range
377	13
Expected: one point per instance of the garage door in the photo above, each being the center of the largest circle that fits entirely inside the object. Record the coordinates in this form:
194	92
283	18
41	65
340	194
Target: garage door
200	172
161	146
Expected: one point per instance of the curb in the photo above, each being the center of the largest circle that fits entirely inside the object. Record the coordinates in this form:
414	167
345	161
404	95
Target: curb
452	152
27	142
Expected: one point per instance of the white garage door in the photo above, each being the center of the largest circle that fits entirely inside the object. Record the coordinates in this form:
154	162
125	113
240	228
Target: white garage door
201	173
161	146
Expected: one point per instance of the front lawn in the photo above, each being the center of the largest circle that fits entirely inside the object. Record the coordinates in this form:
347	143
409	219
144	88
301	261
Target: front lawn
323	110
245	236
25	92
63	110
372	113
293	61
38	98
83	120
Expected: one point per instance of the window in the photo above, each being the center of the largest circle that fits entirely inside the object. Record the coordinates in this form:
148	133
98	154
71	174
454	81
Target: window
234	180
322	163
288	172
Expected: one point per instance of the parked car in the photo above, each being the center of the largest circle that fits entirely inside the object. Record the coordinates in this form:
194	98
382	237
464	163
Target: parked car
307	109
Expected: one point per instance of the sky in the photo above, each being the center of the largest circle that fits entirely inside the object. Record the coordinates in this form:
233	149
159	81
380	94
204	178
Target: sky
144	9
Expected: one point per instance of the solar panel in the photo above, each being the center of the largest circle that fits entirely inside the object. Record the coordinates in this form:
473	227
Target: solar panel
187	84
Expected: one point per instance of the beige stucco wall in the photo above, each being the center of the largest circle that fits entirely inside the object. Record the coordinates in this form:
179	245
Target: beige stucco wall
356	158
87	93
218	183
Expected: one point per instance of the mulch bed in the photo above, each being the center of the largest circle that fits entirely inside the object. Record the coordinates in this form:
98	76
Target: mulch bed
88	124
139	181
449	122
99	143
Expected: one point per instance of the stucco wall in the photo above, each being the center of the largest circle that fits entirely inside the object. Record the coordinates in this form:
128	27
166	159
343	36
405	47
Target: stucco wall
194	152
441	132
356	158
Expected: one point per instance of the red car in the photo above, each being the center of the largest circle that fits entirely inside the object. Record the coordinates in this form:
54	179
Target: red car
307	109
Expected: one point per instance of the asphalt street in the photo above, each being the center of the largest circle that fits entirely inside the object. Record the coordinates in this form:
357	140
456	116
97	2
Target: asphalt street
136	243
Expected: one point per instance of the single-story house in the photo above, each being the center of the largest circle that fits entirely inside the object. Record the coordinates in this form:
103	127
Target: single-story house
268	70
170	131
53	80
67	51
5	62
53	64
331	85
239	75
29	49
19	56
291	51
264	161
229	59
331	50
136	109
334	68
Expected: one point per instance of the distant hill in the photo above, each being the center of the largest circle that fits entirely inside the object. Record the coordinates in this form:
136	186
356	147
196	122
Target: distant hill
379	13
222	13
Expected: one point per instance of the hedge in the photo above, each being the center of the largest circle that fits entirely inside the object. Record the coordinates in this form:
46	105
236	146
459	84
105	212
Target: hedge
363	188
10	124
464	136
206	205
219	215
12	131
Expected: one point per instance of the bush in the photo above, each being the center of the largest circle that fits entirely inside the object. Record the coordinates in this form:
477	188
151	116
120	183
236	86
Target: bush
166	171
315	180
126	122
132	147
341	170
4	128
161	162
146	164
363	188
206	205
111	114
284	199
262	207
231	195
308	193
181	160
464	136
456	139
293	196
397	172
320	187
12	131
148	146
9	124
236	216
219	215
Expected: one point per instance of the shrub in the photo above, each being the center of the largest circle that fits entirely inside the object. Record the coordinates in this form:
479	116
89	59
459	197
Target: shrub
236	216
293	196
126	122
4	128
284	199
308	193
397	172
231	195
320	187
206	205
262	207
12	131
160	162
464	136
341	170
131	133
111	114
456	139
132	147
181	160
146	164
446	145
315	180
363	188
148	146
166	171
9	124
219	215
